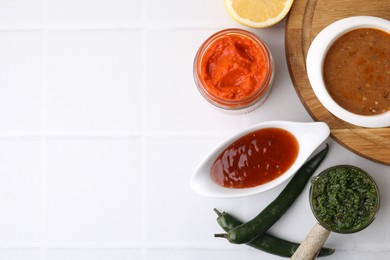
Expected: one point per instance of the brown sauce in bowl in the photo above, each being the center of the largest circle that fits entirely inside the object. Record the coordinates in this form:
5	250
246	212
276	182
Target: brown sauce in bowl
356	71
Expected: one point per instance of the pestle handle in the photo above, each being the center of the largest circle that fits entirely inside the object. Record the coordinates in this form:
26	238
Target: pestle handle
312	244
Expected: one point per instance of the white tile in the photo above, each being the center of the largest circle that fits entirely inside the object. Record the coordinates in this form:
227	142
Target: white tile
94	190
201	13
20	80
172	97
94	11
93	254
254	254
192	254
20	254
95	82
185	12
175	214
20	190
363	255
21	12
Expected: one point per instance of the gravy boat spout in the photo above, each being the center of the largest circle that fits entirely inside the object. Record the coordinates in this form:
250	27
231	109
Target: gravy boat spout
309	136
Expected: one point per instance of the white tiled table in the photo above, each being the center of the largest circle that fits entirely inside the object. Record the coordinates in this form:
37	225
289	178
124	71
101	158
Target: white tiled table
101	127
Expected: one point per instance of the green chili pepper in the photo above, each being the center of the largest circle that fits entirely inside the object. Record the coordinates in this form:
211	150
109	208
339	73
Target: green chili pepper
248	231
265	242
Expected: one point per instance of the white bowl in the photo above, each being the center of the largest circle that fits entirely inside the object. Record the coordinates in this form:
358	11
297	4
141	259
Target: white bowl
314	66
309	136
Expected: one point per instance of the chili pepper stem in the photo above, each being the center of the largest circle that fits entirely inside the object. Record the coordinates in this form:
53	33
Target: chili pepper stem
218	212
224	235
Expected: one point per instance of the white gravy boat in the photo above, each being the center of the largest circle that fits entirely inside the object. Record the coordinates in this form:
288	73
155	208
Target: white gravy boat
308	135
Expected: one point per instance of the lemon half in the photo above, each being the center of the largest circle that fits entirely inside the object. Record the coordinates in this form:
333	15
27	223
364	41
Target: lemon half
258	13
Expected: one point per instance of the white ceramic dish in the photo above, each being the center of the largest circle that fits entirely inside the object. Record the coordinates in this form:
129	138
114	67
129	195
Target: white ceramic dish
309	136
314	64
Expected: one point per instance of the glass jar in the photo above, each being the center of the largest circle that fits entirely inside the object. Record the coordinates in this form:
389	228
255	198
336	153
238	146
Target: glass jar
337	195
234	70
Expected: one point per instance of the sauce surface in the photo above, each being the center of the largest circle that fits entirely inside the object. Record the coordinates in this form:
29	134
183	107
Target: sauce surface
233	67
344	199
256	158
357	71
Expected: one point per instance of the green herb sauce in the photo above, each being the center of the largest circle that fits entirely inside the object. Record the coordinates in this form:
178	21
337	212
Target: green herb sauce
344	199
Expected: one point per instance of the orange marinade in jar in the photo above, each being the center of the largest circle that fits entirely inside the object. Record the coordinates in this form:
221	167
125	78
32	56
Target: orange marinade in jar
233	70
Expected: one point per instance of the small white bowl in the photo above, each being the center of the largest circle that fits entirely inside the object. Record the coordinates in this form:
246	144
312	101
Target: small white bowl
314	66
309	136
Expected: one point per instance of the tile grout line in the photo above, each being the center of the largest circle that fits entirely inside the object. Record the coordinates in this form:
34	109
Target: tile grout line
144	127
159	246
45	36
154	26
112	136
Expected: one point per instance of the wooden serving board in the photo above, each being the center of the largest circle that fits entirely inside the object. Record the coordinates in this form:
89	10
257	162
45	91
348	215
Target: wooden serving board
305	20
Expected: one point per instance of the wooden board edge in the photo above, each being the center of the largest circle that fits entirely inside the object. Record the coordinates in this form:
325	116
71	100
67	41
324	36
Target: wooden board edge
297	43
